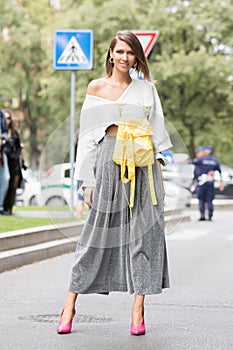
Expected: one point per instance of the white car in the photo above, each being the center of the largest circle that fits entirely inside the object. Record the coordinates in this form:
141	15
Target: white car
29	194
176	197
179	171
55	189
56	186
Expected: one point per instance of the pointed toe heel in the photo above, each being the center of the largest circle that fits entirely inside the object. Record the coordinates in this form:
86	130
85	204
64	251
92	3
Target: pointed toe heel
61	329
138	330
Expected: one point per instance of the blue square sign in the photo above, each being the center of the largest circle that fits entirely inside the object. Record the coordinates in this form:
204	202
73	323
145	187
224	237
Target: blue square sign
73	49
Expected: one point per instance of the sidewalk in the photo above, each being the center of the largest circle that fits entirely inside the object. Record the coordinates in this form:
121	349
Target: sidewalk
21	247
218	204
222	204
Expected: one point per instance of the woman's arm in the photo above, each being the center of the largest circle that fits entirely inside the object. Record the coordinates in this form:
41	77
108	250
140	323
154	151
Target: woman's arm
88	196
161	139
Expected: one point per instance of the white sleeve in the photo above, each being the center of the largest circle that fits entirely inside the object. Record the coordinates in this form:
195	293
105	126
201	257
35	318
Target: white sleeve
90	134
86	160
95	116
160	139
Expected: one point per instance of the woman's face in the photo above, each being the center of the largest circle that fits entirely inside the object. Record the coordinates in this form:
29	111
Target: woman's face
123	56
8	118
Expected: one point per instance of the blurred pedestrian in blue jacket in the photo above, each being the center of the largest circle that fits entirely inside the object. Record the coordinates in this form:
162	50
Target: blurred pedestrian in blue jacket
204	172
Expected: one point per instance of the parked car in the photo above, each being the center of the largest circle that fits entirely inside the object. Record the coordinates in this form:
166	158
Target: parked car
227	177
55	189
179	171
176	197
56	186
29	193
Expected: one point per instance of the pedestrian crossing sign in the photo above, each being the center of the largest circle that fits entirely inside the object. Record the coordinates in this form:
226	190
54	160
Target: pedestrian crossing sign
73	50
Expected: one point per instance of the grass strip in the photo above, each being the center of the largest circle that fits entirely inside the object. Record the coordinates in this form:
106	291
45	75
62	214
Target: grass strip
44	208
11	223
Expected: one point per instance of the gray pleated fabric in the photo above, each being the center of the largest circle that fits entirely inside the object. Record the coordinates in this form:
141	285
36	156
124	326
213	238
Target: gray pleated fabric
117	252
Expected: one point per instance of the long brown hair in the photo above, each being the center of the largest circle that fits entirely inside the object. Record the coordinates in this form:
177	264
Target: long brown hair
130	39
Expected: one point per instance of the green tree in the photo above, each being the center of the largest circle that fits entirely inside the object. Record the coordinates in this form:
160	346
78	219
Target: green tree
24	66
191	63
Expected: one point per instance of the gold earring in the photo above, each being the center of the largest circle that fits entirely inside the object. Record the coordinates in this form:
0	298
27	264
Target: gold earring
135	65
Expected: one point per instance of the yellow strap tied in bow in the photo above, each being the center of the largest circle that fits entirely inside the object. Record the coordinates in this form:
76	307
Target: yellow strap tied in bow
133	148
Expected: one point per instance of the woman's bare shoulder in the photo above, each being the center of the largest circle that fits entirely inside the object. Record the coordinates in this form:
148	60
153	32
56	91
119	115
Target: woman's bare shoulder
95	86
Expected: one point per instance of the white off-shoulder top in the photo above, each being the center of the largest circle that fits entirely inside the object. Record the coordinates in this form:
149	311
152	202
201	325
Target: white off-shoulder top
139	100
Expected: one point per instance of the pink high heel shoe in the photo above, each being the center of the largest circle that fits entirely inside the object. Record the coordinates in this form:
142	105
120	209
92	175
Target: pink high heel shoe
67	328
138	330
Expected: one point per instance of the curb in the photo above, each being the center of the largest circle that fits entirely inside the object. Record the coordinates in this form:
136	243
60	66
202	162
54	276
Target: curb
22	247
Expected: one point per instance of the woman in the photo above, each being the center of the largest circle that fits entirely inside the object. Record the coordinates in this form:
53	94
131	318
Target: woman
118	251
12	148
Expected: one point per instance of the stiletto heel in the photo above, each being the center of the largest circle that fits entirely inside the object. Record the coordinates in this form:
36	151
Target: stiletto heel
67	328
138	330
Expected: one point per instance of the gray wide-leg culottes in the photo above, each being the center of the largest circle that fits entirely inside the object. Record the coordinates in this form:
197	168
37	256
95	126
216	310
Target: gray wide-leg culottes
117	252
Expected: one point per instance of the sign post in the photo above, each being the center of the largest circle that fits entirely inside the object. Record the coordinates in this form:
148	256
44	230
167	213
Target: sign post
73	50
72	135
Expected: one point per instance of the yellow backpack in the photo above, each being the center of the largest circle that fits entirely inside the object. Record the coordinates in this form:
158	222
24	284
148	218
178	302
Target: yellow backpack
134	148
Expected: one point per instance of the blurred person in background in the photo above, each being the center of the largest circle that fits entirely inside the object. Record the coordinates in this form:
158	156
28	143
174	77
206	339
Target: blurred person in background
12	148
204	171
4	171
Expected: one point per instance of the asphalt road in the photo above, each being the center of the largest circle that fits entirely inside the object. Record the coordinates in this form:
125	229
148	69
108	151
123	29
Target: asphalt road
195	313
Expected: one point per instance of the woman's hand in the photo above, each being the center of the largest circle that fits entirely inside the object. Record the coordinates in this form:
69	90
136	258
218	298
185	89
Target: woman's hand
88	196
221	186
